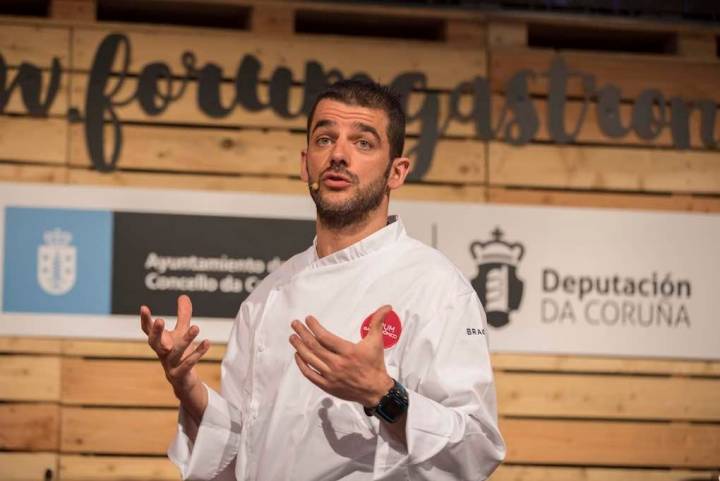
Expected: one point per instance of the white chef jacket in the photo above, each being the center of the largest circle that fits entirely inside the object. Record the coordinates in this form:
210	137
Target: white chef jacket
272	424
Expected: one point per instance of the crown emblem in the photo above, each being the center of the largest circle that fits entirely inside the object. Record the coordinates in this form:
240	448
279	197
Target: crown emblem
57	237
497	250
57	262
496	283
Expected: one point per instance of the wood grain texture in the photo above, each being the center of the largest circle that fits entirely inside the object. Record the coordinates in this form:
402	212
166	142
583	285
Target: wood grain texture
34	44
27	466
465	33
594	21
674	202
273	185
117	468
124	349
29	345
29	427
185	111
604	168
116	430
507	34
268	185
588	127
37	140
57	108
606	365
608	397
75	10
126	468
272	20
541	473
29	378
124	382
442	66
201	150
500	361
32	173
255	152
607	443
673	76
108	430
701	46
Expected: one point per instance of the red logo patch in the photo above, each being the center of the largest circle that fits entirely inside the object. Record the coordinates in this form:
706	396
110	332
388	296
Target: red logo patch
391	329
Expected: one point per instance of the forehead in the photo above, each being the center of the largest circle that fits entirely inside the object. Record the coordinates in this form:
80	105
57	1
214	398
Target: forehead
345	115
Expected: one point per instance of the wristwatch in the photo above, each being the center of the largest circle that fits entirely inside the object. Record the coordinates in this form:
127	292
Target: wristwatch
392	405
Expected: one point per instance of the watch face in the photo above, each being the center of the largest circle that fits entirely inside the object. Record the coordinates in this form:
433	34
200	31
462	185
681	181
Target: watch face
393	409
394	404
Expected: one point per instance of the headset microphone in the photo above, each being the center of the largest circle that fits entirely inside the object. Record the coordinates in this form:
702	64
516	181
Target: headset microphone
314	186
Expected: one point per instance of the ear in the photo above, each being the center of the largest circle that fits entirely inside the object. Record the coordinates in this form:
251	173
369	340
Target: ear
303	165
398	172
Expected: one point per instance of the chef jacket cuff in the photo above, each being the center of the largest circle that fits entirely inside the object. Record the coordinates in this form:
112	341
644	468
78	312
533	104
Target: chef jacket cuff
428	428
204	451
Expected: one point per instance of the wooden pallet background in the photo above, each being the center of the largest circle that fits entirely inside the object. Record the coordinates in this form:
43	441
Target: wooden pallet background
102	410
74	410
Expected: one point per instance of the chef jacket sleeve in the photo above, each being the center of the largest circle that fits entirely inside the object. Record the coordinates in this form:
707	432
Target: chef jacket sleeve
451	426
208	451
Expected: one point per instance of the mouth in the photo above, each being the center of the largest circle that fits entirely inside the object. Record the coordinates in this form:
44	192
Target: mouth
333	180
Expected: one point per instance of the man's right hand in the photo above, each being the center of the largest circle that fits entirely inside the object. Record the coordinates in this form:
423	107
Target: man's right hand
179	355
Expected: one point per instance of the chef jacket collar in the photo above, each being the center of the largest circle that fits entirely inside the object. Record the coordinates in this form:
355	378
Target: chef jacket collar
393	230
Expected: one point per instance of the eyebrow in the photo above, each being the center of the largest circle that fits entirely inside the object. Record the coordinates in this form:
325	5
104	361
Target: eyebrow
323	123
369	129
358	125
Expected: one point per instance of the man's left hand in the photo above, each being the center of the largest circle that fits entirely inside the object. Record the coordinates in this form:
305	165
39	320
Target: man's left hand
350	371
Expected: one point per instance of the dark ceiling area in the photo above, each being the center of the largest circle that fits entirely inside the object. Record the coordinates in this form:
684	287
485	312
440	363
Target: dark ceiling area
697	10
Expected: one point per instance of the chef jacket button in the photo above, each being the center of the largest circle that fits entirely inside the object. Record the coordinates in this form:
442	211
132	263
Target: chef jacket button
261	347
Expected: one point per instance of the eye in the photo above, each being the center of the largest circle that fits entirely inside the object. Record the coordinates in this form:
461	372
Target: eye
364	144
323	141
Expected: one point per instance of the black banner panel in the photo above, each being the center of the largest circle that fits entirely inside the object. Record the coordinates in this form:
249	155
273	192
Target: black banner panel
216	260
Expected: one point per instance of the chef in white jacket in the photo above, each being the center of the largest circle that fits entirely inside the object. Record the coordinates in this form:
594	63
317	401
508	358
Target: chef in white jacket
364	357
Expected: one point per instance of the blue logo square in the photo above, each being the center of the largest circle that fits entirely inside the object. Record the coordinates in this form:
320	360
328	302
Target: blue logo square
57	261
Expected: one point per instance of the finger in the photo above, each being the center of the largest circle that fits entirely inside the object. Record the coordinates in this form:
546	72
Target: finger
310	374
308	355
192	359
327	339
184	313
181	345
145	319
376	323
311	342
155	338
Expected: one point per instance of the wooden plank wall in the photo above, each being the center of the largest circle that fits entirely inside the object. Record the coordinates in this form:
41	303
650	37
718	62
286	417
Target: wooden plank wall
76	407
72	409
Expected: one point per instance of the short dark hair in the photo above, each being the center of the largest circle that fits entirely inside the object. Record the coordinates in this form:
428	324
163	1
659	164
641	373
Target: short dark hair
373	96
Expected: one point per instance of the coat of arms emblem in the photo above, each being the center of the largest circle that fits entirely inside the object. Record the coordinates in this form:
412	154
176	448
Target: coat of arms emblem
496	283
57	262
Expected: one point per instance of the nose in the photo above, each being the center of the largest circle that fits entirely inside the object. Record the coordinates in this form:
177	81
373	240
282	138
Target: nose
339	154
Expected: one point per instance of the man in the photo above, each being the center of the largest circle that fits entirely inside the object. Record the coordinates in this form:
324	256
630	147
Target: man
354	360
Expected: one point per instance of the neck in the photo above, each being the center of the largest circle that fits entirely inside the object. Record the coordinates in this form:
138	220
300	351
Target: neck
330	240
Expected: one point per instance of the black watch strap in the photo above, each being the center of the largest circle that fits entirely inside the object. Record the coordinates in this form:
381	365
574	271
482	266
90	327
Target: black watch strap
392	405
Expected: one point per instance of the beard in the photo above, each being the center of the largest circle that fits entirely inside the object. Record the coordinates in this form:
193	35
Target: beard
355	209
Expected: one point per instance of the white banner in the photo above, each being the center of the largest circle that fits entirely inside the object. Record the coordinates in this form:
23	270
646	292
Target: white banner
552	280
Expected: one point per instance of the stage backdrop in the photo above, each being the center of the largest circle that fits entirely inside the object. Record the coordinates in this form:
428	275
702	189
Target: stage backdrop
80	261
